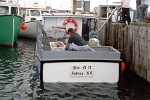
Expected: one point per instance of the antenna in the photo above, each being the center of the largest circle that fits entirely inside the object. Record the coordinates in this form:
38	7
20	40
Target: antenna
50	3
82	5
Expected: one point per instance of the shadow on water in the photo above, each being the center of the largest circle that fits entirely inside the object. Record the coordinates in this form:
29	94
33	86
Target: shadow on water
19	80
132	87
80	91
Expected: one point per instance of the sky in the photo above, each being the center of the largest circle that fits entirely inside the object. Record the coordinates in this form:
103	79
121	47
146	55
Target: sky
66	3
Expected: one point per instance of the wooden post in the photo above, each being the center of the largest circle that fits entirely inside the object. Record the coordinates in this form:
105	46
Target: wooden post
108	19
74	8
82	5
133	41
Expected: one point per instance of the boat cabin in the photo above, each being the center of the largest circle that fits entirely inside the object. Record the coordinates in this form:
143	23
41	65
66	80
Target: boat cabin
32	14
9	8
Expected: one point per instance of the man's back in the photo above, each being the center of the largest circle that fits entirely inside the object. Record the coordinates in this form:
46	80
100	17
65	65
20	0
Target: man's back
77	39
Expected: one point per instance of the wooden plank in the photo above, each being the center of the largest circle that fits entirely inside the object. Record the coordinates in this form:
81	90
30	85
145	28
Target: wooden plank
126	44
116	37
142	61
148	53
101	35
144	53
130	45
112	34
133	49
119	28
140	50
136	42
122	29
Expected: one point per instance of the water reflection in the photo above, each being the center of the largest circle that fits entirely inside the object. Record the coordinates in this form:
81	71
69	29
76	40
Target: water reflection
16	69
132	87
81	91
19	80
8	57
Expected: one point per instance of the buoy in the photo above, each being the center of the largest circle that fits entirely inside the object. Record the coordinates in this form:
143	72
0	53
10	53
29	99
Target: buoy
23	26
122	66
71	21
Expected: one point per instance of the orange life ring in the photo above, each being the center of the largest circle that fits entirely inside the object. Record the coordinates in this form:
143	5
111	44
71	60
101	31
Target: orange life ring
73	21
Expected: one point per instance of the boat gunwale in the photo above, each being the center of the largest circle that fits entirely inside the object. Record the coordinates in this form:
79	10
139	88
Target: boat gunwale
11	15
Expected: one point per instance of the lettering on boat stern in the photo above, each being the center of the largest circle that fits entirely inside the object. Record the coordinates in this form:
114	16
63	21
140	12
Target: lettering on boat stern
82	71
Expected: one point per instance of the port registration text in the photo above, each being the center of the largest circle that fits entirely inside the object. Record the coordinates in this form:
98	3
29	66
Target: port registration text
81	71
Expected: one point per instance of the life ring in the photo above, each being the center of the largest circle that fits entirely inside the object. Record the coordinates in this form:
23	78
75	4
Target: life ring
72	21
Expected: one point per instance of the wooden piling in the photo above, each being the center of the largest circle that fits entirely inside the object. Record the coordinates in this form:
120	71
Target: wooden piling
133	42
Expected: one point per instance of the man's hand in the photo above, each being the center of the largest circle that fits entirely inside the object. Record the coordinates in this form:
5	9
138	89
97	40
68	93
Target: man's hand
67	45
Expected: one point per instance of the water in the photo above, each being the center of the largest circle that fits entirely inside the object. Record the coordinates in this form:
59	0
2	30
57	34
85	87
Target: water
19	81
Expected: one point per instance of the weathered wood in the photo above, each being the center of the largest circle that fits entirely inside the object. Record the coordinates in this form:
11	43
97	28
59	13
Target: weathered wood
133	42
125	43
102	33
145	52
148	58
129	47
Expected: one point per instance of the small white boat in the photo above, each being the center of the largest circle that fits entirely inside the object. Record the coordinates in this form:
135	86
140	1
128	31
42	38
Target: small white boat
99	64
32	15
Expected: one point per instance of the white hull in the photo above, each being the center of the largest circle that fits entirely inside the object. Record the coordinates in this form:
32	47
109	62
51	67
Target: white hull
95	72
31	30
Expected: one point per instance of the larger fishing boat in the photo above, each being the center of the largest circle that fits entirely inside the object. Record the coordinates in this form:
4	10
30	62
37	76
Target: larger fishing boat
99	64
10	23
31	16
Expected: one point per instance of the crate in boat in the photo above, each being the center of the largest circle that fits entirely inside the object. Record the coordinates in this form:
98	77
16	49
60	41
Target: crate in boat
57	46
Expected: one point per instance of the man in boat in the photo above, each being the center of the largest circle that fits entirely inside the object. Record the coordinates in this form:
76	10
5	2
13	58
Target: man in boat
76	42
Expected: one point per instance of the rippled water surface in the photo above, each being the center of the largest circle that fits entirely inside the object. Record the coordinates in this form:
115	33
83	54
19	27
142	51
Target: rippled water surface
19	81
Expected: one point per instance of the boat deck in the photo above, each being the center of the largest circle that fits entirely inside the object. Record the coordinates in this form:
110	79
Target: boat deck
96	53
44	52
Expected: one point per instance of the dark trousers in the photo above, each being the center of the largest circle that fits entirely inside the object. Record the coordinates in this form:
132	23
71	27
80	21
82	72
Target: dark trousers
126	15
142	10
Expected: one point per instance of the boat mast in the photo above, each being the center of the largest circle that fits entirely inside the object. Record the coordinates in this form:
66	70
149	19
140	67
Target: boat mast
74	8
107	2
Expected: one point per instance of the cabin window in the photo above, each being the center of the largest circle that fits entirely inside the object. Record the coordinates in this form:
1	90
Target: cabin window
27	12
20	12
44	12
14	10
4	10
35	13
